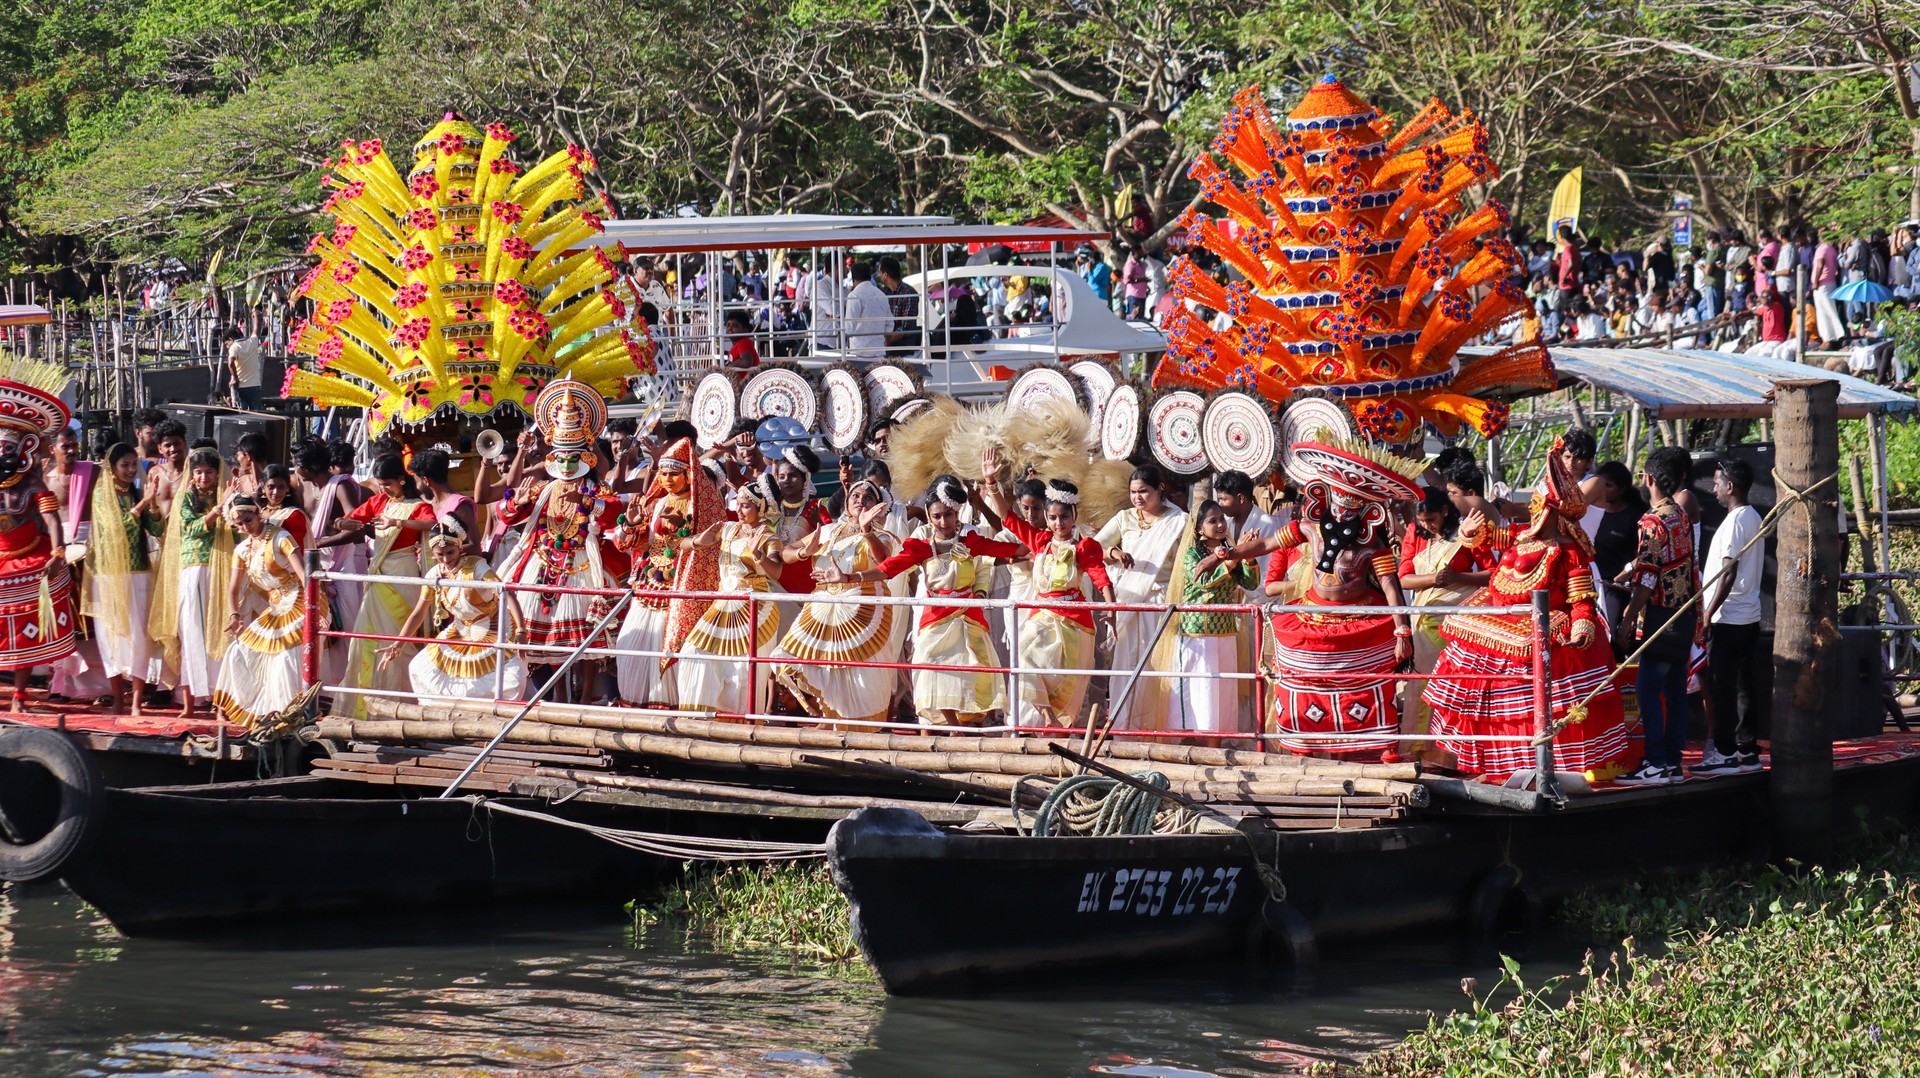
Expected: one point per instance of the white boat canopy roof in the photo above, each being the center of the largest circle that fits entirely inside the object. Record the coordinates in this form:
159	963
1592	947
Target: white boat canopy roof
1686	383
1082	324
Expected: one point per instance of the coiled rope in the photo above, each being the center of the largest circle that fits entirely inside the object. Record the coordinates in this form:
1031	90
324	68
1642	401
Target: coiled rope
1094	805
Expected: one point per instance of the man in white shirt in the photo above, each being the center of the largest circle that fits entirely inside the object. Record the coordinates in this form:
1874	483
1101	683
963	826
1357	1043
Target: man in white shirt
820	299
243	362
1733	568
869	315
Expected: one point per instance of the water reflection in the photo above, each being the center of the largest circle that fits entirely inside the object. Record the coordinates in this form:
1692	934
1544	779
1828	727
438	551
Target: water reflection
563	992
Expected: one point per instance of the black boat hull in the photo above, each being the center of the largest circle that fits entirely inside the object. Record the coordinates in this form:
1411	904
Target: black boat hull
945	912
185	860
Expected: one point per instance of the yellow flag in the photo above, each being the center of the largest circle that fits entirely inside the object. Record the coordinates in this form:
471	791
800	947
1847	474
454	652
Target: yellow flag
1565	208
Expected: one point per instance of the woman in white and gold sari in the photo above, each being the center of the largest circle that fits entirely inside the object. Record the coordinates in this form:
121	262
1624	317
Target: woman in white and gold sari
397	518
1140	543
844	632
465	659
1437	569
260	673
713	671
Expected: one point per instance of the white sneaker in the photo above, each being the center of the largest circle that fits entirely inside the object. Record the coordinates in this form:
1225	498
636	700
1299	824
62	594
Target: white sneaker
1644	775
1712	763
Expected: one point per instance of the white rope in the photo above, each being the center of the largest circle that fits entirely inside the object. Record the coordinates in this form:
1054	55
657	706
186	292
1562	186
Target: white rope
677	847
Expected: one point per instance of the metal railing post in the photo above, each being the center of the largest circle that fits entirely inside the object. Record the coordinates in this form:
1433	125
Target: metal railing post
1542	695
500	653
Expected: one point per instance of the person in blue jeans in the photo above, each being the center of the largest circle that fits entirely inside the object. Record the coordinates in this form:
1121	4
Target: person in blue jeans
1664	578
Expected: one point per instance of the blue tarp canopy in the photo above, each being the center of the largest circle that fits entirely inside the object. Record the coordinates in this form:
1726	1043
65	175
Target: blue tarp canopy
1698	384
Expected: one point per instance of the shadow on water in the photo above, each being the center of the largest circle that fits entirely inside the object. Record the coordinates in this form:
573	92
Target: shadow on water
567	991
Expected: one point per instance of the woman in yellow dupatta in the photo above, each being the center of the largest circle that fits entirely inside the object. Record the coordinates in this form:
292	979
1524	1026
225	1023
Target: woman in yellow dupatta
122	579
188	618
396	518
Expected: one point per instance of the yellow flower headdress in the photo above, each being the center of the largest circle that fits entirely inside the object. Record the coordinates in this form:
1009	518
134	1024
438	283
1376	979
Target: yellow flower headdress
456	289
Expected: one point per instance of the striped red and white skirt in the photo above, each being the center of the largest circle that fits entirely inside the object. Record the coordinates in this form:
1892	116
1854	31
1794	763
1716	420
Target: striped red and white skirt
1360	713
1464	705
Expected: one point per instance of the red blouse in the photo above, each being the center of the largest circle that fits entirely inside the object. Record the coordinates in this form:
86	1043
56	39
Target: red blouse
915	552
373	508
1086	554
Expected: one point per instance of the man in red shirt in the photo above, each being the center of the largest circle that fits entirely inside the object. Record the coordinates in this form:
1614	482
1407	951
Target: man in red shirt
1566	272
1775	326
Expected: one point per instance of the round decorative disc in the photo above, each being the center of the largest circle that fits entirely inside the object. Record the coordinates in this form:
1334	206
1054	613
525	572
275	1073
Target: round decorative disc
779	391
1120	424
1305	417
886	384
1098	381
1036	385
1239	434
912	406
843	409
714	408
1174	425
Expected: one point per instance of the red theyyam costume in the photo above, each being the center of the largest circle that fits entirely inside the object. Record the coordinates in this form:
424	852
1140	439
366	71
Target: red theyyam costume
36	588
1343	524
1550	551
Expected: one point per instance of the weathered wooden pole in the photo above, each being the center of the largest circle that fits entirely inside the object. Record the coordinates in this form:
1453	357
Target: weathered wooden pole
1806	644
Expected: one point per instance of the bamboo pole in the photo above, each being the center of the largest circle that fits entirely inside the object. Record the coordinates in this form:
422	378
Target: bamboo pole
734	753
799	737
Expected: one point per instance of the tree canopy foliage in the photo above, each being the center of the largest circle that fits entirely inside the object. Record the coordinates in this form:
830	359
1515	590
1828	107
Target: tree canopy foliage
146	129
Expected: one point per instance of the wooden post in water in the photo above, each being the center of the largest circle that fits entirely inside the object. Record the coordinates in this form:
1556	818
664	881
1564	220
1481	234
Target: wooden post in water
1806	644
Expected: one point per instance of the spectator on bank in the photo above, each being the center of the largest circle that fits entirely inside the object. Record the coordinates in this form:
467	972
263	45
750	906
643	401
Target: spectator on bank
1096	271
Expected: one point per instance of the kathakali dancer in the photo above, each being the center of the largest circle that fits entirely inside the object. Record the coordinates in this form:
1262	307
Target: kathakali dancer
397	517
713	672
830	632
121	575
260	673
1548	552
36	587
188	619
565	517
681	503
465	659
954	562
1060	637
1324	700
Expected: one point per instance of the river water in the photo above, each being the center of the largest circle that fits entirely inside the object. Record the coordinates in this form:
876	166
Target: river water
571	991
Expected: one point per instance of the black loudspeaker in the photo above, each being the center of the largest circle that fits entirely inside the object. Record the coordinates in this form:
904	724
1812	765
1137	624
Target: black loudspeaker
190	384
197	418
228	429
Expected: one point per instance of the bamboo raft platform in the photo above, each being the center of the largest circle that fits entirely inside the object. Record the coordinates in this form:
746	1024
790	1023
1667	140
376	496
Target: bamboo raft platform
614	756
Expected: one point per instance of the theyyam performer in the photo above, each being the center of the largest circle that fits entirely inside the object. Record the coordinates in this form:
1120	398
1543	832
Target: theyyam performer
1549	551
1323	656
36	587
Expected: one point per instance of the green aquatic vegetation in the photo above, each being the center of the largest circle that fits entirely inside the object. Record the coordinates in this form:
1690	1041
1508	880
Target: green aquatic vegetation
1764	971
791	905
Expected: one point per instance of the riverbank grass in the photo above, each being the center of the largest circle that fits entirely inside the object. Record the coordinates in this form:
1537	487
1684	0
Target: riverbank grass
789	905
1764	972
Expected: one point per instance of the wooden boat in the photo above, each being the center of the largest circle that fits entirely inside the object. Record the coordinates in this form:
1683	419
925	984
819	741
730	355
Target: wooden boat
937	910
153	750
